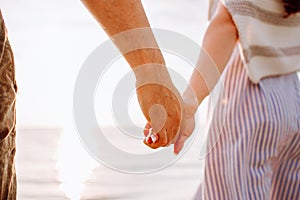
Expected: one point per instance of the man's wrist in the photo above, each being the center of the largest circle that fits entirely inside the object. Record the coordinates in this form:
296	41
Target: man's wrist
152	74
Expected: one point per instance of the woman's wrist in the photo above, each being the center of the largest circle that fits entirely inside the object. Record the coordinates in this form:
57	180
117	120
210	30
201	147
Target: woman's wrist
190	100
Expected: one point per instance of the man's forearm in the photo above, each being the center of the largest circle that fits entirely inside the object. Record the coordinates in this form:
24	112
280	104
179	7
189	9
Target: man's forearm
118	17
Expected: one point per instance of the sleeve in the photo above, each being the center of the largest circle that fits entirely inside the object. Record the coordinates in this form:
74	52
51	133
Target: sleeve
8	91
213	5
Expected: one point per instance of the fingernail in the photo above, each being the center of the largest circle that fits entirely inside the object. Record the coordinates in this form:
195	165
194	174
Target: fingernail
153	138
150	130
148	139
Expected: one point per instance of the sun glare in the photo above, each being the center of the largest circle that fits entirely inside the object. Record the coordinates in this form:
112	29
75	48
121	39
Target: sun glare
74	164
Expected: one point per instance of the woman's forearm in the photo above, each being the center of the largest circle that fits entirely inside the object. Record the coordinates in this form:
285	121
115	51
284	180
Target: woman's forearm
218	44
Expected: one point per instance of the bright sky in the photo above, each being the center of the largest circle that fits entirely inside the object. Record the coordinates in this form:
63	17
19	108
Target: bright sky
52	38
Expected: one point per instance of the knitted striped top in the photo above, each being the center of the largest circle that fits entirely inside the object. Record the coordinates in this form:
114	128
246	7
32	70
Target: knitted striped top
269	43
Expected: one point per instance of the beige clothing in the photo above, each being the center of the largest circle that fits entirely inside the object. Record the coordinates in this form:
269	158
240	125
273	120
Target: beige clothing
269	42
8	91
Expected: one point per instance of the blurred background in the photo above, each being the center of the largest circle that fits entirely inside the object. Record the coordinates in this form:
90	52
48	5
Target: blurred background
51	39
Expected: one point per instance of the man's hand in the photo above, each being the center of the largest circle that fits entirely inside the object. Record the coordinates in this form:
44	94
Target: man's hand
126	23
162	107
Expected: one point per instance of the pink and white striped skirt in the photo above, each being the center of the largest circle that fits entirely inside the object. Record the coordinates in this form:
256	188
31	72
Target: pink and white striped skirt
253	150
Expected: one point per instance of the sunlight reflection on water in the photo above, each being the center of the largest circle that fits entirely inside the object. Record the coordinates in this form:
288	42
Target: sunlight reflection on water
74	164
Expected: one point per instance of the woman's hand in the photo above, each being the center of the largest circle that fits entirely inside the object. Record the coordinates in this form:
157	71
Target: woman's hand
190	106
187	127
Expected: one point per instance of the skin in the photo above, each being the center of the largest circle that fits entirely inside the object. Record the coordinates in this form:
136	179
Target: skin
219	41
117	16
159	100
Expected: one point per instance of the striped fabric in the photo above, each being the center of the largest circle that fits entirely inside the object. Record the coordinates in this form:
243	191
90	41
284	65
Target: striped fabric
270	43
253	150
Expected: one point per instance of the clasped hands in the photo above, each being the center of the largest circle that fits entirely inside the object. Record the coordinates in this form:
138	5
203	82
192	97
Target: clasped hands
171	118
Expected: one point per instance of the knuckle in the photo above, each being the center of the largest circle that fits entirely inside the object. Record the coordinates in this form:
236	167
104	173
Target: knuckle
154	146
